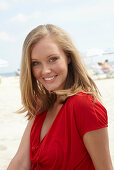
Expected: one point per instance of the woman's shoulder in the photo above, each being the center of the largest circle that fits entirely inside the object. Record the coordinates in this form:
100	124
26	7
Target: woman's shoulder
86	101
88	112
81	97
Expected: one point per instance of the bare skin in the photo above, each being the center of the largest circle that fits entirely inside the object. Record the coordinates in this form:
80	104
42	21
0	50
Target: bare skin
106	66
21	160
50	117
97	144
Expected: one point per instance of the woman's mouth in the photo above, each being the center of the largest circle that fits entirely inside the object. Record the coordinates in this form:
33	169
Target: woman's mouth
49	78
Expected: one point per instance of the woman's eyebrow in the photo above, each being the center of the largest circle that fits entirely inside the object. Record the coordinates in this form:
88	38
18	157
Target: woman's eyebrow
35	59
53	55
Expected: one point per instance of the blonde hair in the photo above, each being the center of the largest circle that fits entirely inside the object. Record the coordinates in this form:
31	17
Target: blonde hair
35	98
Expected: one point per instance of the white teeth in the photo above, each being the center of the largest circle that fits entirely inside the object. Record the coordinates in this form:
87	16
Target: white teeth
49	78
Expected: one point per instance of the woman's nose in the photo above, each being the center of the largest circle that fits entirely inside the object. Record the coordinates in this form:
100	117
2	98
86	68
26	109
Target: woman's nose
46	69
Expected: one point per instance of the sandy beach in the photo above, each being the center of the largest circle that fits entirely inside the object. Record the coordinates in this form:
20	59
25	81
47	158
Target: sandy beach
12	125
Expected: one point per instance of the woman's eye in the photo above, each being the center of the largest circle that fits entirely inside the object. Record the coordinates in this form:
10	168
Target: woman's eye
35	63
53	59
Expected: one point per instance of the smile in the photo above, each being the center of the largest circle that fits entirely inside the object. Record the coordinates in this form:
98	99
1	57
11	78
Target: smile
50	78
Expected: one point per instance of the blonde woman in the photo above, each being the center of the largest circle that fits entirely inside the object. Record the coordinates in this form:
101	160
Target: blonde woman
67	127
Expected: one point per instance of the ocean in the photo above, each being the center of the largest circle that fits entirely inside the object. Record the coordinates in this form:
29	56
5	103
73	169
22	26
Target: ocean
10	74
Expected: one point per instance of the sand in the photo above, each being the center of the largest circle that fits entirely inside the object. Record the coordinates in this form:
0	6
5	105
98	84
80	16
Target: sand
12	125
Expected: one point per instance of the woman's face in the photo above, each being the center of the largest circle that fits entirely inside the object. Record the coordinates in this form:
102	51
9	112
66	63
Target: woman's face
49	64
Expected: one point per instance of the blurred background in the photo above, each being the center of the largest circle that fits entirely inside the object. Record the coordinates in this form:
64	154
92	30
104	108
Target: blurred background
90	24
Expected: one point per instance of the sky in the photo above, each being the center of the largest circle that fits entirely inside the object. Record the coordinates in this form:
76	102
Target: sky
90	23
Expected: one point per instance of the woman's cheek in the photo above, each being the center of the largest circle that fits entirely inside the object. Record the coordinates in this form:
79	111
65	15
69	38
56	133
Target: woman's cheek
35	73
56	67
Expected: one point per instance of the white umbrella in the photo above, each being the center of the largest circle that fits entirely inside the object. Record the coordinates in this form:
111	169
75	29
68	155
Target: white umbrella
94	52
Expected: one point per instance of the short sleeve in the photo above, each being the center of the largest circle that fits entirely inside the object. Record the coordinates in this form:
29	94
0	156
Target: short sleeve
89	114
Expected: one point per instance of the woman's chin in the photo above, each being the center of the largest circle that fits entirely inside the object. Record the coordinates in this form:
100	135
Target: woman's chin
51	89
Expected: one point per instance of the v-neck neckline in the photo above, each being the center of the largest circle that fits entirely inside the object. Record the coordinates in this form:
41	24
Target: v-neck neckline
40	141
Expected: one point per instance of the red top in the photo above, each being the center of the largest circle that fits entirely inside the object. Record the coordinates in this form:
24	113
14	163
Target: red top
62	148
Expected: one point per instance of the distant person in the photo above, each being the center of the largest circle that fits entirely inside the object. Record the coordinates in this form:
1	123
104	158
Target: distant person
67	127
106	67
100	63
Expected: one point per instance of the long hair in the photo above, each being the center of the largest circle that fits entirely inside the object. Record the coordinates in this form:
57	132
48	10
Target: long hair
35	98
